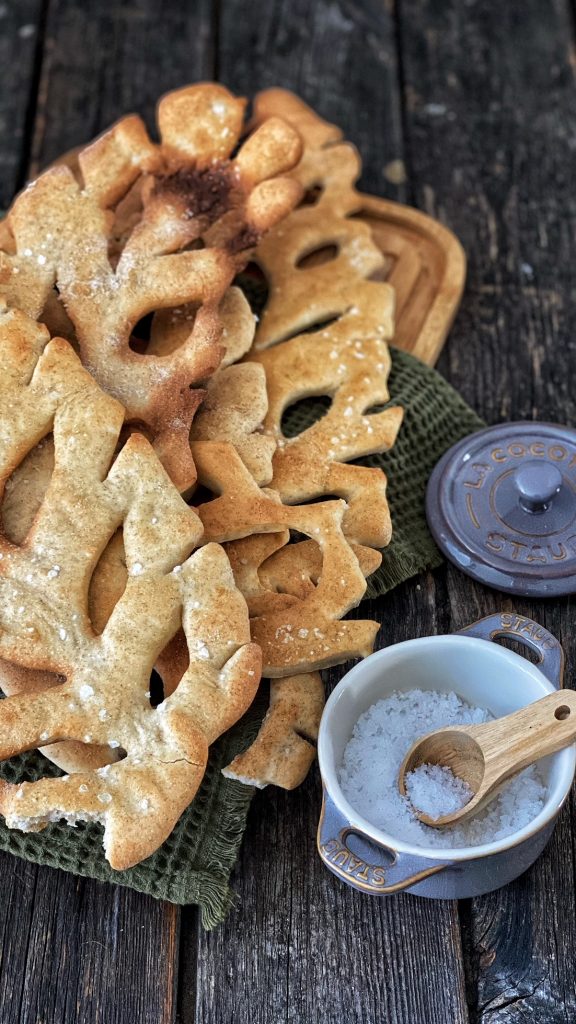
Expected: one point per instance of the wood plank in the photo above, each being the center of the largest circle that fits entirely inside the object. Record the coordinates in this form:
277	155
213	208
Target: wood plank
339	57
301	945
151	47
74	950
21	32
83	951
490	118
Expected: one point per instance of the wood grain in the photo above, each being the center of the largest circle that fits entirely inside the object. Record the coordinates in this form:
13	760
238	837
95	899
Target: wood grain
21	42
301	946
318	950
467	110
490	112
108	59
73	950
426	266
340	57
83	951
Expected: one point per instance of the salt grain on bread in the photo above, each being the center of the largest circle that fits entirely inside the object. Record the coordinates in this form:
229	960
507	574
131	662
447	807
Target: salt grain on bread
201	212
307	634
297	576
43	611
285	746
346	358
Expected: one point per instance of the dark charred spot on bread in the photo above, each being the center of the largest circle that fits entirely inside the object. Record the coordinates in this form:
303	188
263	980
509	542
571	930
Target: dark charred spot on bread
247	238
205	191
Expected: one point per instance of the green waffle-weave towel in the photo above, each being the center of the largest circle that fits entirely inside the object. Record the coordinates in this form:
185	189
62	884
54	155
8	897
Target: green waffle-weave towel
194	864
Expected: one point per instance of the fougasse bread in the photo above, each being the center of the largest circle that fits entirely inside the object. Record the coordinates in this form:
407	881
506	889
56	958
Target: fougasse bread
133	228
44	622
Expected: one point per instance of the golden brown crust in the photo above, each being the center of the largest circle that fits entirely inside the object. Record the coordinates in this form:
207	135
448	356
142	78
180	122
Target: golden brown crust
293	591
284	750
45	625
318	265
301	635
185	192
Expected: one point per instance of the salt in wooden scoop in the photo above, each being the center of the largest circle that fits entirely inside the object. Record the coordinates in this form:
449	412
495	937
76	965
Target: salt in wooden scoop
484	756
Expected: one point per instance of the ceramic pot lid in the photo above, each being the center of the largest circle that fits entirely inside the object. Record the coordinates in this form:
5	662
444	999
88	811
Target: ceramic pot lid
501	505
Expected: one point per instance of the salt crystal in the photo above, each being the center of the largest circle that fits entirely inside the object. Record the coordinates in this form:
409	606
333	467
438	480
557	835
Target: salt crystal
53	572
113	744
144	804
102	714
86	691
62	633
137	568
44	736
433	789
104	798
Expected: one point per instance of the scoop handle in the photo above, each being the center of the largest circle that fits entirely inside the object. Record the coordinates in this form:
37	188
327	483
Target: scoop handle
511	743
527	632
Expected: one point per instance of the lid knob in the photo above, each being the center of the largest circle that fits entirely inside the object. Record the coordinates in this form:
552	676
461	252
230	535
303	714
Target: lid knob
537	483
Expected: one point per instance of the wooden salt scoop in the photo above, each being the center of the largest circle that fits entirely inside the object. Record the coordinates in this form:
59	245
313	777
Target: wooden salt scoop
484	756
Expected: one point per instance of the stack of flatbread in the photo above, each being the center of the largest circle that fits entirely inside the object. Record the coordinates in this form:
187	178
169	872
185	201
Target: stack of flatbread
155	517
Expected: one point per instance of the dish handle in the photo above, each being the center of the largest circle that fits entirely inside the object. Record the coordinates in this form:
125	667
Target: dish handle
364	864
527	632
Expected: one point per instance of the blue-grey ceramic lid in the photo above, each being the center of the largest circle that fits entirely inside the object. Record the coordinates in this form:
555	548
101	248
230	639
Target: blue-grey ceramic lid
501	505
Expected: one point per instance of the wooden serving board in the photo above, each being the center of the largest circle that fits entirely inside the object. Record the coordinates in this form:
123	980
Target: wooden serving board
426	265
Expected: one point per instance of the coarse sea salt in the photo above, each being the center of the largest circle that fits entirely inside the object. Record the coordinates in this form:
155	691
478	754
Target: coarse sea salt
369	774
435	790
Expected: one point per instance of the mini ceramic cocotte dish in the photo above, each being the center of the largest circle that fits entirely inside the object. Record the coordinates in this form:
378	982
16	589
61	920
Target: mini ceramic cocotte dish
482	673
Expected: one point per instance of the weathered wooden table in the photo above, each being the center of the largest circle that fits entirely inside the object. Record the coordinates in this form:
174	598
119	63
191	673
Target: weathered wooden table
466	109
